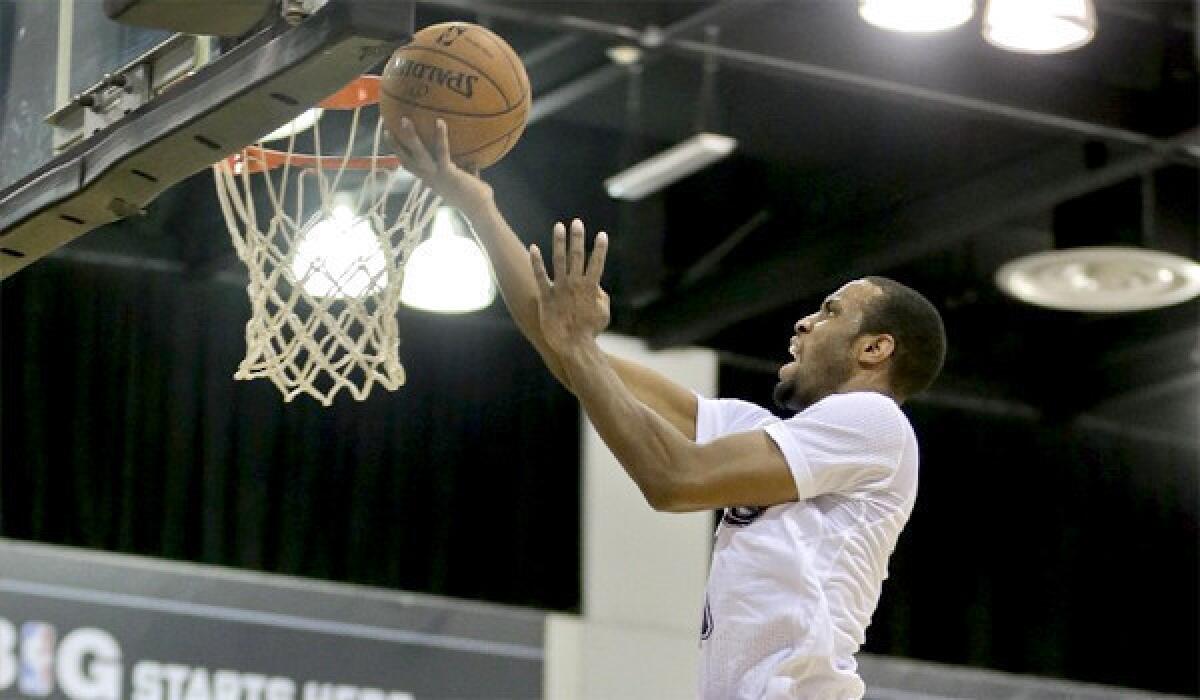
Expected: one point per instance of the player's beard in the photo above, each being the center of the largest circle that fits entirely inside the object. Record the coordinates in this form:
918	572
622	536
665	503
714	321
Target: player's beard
809	384
785	394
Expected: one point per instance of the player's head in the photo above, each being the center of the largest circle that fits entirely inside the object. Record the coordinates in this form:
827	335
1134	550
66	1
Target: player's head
872	334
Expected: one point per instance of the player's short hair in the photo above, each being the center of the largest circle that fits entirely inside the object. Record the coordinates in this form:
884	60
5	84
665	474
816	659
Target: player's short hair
916	325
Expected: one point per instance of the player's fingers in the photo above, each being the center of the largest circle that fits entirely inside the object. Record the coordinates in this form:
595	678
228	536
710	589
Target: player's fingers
416	157
575	250
539	271
559	256
402	150
441	145
595	266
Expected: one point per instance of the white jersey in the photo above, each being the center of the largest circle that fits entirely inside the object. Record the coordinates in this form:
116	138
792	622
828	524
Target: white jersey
793	586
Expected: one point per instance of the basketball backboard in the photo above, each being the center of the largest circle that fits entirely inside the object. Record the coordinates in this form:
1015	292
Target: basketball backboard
55	50
101	116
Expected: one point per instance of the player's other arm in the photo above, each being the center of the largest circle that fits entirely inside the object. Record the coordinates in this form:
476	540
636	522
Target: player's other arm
510	262
673	472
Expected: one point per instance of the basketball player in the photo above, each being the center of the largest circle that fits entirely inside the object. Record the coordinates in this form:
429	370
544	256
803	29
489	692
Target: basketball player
812	505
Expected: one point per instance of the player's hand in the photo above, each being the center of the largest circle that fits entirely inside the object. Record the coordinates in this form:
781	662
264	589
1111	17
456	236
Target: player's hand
572	307
458	187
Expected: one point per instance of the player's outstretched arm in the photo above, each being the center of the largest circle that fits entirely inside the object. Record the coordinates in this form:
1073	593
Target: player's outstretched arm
673	472
510	262
473	197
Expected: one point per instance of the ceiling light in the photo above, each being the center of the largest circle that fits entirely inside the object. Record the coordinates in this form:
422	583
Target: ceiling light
675	163
448	272
624	54
916	15
1101	279
340	257
1039	26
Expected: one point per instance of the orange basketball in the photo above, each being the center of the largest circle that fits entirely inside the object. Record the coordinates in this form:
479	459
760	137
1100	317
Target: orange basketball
466	75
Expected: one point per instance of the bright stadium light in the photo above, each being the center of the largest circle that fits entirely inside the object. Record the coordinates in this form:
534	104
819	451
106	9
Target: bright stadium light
916	16
448	272
669	166
1039	26
340	257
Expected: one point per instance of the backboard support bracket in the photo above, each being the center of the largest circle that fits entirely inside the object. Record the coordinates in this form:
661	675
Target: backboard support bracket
126	89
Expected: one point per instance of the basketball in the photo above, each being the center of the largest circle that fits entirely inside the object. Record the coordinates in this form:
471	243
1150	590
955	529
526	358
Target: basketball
466	75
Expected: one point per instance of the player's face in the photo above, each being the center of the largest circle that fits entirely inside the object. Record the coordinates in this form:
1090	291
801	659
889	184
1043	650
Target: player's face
823	351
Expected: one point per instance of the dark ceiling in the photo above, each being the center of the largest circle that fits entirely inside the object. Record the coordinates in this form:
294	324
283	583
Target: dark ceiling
929	159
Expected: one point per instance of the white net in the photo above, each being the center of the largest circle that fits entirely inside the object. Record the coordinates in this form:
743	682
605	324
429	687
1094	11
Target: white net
325	240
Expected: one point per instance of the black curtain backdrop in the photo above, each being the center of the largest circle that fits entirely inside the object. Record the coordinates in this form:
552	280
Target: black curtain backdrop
1053	550
123	429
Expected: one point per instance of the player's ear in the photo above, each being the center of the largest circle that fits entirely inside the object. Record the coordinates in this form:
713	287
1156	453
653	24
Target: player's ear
876	349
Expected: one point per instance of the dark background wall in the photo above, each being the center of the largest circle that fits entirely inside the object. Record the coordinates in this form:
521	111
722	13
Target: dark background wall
124	430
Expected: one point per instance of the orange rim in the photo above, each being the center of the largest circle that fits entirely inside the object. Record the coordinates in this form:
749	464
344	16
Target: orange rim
363	90
255	159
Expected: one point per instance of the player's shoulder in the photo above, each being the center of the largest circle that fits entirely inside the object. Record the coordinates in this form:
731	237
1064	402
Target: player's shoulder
874	412
858	401
736	410
734	406
717	417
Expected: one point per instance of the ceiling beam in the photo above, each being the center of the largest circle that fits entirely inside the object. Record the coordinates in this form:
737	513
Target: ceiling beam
672	39
648	37
797	268
1136	369
1157	389
597	79
574	90
550	51
712	259
892	89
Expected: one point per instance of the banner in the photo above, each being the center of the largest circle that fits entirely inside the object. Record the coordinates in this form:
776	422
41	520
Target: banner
85	625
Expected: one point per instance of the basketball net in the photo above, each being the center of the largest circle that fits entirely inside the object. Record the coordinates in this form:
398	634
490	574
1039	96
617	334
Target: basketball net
326	265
